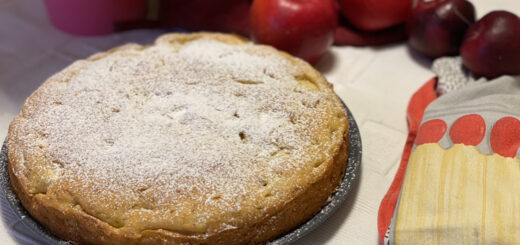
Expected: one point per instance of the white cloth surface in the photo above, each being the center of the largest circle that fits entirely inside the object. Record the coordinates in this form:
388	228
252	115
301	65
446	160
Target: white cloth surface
375	83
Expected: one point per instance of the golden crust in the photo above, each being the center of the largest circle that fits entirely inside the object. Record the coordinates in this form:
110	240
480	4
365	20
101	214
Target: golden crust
265	214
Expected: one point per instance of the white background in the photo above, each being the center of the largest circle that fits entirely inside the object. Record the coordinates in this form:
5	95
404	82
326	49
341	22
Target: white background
375	83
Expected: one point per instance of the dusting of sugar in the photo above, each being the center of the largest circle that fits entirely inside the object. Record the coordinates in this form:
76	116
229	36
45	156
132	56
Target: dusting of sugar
201	122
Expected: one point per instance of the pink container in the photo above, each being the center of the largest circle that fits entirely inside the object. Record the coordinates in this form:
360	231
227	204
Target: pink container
94	17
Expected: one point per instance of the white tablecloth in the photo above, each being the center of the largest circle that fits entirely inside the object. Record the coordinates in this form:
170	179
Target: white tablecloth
375	83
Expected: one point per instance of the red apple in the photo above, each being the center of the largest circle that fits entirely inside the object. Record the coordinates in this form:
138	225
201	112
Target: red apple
207	15
373	15
304	28
491	47
437	28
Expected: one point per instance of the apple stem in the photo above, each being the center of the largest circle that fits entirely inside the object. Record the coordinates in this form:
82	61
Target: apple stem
461	16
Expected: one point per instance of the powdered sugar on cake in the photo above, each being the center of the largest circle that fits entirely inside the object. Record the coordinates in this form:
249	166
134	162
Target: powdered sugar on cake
208	118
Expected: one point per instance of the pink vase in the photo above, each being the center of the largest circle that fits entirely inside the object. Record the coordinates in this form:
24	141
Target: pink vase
94	17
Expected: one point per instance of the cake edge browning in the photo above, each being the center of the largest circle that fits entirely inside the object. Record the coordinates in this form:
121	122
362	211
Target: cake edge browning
77	226
72	223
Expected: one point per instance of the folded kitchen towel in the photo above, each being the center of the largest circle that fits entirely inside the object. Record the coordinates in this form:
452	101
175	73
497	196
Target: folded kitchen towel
457	181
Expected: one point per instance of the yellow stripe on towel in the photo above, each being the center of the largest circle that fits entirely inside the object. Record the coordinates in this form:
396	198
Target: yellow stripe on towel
459	196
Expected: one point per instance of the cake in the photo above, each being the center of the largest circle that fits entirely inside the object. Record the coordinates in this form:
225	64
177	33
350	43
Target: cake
199	138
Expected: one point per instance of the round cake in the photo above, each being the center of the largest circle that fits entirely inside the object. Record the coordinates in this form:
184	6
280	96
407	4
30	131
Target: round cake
197	139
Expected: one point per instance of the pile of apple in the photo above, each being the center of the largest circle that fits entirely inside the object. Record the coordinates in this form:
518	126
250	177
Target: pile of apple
435	28
490	47
307	28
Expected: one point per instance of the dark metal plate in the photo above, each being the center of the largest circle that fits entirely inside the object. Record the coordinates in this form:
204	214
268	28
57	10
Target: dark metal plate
351	173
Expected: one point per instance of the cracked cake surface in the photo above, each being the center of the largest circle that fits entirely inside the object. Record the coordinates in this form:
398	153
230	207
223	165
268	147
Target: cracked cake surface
199	138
